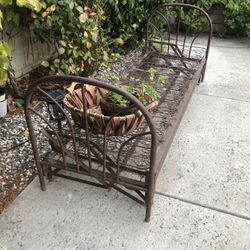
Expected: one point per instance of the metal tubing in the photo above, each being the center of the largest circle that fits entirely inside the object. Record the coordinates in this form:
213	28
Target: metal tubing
68	121
95	161
85	121
56	134
34	144
120	150
185	6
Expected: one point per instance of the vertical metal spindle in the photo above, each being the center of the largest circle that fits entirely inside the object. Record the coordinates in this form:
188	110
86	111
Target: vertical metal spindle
56	134
85	122
169	29
150	182
184	43
59	125
34	145
104	155
178	27
161	44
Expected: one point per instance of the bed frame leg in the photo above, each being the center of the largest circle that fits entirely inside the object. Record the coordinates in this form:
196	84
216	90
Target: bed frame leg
203	73
202	76
149	201
41	177
148	212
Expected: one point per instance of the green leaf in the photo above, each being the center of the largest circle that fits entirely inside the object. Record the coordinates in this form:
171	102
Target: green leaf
83	17
161	79
4	62
16	19
45	64
4	49
5	2
118	41
75	54
152	72
30	4
80	9
3	77
52	67
21	3
63	43
19	103
57	62
1	18
94	35
9	15
51	8
105	56
61	50
71	5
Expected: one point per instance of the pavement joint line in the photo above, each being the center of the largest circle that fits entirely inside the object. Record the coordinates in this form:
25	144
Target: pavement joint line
244	217
222	97
230	47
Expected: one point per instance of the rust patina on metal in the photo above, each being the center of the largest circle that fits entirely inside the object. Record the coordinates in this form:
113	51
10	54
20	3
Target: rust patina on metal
132	162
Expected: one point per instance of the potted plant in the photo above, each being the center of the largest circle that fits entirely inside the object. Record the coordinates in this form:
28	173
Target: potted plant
4	64
113	103
108	112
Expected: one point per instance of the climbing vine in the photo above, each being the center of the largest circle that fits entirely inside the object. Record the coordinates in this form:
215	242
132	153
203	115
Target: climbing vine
18	12
76	31
84	33
237	13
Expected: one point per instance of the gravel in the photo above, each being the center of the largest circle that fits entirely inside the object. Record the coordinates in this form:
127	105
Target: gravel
17	166
117	68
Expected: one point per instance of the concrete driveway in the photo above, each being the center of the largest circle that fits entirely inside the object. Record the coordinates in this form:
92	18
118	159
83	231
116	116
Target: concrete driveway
203	192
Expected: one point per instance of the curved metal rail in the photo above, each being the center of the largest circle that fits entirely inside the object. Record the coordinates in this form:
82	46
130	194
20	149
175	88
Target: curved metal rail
165	11
112	161
110	174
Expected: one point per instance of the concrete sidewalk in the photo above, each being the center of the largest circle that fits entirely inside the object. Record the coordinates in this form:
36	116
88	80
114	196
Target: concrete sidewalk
203	192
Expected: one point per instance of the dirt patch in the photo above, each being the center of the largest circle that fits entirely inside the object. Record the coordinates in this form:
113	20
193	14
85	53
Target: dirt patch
12	188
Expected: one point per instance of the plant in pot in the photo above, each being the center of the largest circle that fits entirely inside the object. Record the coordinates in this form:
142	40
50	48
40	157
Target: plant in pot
113	103
4	64
108	112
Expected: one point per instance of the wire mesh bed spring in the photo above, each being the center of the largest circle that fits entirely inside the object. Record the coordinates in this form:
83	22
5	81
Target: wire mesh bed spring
128	162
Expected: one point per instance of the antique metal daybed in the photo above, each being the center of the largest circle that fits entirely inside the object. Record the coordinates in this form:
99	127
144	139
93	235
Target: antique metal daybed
130	162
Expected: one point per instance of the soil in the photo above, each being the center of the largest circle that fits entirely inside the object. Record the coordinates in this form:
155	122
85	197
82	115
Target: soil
13	189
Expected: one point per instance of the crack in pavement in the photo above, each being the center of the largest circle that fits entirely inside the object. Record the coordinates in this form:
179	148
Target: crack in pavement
222	97
244	217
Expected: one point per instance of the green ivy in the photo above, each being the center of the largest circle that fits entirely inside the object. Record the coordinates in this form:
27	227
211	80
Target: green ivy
144	92
13	11
86	32
237	13
127	18
238	16
75	28
16	11
4	62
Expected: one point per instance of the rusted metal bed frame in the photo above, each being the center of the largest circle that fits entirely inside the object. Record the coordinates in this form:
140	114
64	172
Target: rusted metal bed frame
130	163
